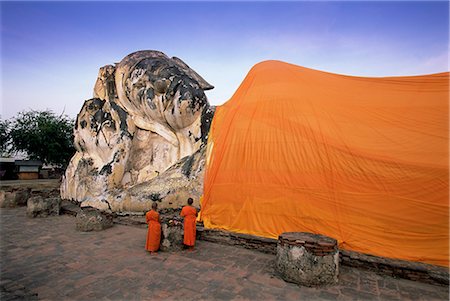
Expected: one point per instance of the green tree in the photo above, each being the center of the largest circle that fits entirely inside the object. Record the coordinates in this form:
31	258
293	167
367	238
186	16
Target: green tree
5	139
43	136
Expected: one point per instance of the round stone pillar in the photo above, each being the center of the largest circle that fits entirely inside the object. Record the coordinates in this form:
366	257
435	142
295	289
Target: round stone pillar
307	259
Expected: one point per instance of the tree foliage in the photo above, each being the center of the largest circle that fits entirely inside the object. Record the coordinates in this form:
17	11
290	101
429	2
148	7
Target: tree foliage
43	136
5	143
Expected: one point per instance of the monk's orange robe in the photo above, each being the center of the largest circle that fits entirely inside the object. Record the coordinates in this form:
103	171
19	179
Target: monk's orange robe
154	231
190	215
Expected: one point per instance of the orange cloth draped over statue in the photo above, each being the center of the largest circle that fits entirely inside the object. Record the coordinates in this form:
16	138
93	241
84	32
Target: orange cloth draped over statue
190	216
154	231
362	160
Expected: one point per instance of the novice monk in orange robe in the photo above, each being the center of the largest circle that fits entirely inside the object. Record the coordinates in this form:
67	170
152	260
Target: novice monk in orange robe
154	229
190	215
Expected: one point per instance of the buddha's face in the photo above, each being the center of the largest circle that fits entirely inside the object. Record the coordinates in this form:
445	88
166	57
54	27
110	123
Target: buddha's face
99	127
164	92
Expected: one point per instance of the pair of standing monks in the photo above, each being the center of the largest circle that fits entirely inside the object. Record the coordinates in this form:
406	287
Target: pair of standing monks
154	226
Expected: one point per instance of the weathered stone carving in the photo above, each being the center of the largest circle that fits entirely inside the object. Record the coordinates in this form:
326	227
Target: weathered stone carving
171	236
148	113
103	135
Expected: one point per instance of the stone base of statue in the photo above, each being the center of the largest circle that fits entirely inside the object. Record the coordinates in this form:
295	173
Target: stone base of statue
307	259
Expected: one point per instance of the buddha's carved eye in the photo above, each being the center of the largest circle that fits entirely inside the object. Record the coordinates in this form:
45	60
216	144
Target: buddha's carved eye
161	85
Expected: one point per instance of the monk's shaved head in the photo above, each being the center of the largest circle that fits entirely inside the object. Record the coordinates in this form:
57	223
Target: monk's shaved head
155	205
190	201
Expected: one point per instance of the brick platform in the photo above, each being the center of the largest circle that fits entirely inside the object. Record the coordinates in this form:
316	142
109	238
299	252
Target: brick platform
385	266
50	258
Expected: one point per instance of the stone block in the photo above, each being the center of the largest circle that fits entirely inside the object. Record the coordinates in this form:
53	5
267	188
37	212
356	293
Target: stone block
307	259
45	192
21	197
38	206
8	199
171	236
91	219
14	198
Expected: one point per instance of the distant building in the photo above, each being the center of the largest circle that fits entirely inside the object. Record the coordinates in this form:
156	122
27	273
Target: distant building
7	169
28	169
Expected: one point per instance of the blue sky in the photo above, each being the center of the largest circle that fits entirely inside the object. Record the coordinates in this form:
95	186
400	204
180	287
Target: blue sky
51	51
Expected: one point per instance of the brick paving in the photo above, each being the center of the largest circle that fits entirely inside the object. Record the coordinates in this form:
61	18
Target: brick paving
47	257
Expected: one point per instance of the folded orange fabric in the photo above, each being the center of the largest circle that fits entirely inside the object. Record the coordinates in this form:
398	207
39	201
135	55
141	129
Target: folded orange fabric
363	160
